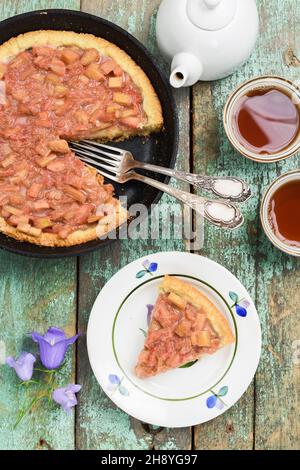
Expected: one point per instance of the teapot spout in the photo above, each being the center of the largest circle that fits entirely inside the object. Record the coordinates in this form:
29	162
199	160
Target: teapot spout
186	70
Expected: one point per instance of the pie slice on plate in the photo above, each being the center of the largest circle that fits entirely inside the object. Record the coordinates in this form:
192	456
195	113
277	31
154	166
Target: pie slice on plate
185	325
57	86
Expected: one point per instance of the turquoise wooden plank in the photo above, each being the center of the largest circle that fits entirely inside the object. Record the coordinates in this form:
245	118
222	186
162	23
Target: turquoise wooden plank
100	424
34	294
272	278
278	282
10	8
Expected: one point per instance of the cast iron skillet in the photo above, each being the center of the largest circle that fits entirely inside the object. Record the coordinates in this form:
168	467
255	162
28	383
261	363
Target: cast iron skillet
159	148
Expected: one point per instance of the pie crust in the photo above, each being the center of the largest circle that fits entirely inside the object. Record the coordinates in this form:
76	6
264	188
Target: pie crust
150	105
201	302
184	326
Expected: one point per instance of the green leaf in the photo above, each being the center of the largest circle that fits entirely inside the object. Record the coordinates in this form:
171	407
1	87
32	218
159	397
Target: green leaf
140	274
234	297
143	331
188	364
223	391
123	390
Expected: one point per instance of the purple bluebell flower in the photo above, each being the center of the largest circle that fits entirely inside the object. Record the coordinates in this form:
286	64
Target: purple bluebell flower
53	346
23	365
66	397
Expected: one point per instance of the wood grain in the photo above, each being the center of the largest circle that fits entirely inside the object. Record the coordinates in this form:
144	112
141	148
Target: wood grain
278	276
103	426
265	417
34	295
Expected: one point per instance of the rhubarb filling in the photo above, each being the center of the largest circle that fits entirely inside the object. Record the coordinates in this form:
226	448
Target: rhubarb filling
48	95
178	333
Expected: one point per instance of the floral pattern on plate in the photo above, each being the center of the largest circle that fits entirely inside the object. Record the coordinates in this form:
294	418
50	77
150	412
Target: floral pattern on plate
216	399
241	305
149	268
115	384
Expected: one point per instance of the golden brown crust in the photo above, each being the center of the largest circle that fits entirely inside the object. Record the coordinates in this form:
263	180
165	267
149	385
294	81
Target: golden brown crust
76	238
151	104
201	302
96	230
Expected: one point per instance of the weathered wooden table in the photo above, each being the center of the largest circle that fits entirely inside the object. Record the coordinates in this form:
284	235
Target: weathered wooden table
35	294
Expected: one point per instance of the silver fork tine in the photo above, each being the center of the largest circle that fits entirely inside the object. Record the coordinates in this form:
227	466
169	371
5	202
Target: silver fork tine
107	147
95	152
95	156
113	169
104	174
99	165
94	147
83	157
110	177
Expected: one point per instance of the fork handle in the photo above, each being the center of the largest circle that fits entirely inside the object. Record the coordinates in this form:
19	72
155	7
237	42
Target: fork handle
223	214
231	188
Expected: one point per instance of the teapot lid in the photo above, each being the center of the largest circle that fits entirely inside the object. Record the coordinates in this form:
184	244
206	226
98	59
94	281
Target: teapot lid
211	15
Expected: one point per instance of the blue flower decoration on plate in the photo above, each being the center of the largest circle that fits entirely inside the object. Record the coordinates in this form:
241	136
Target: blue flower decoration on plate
115	384
149	268
241	305
215	400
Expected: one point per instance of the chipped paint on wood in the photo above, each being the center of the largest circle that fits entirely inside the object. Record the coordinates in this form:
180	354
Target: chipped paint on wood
271	277
103	426
35	294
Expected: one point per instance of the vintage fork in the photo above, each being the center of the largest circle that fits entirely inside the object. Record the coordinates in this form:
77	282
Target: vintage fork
231	188
220	213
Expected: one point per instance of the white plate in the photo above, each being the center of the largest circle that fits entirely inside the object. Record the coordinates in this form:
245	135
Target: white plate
184	396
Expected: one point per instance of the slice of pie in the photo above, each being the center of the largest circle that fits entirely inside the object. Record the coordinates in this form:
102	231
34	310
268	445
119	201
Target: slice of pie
184	326
57	86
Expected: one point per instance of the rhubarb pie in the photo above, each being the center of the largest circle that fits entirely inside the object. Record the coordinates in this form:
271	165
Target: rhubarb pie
57	86
184	326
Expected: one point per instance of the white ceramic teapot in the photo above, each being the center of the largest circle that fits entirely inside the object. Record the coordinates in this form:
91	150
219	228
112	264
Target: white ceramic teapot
206	39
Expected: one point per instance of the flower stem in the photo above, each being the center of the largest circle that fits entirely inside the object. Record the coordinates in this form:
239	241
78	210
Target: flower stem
29	407
28	382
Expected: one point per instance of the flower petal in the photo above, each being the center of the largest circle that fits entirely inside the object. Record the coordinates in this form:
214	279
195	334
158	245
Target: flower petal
153	267
72	339
241	311
10	361
65	396
53	335
114	379
23	365
53	346
75	388
211	401
220	405
245	303
146	263
36	337
52	356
